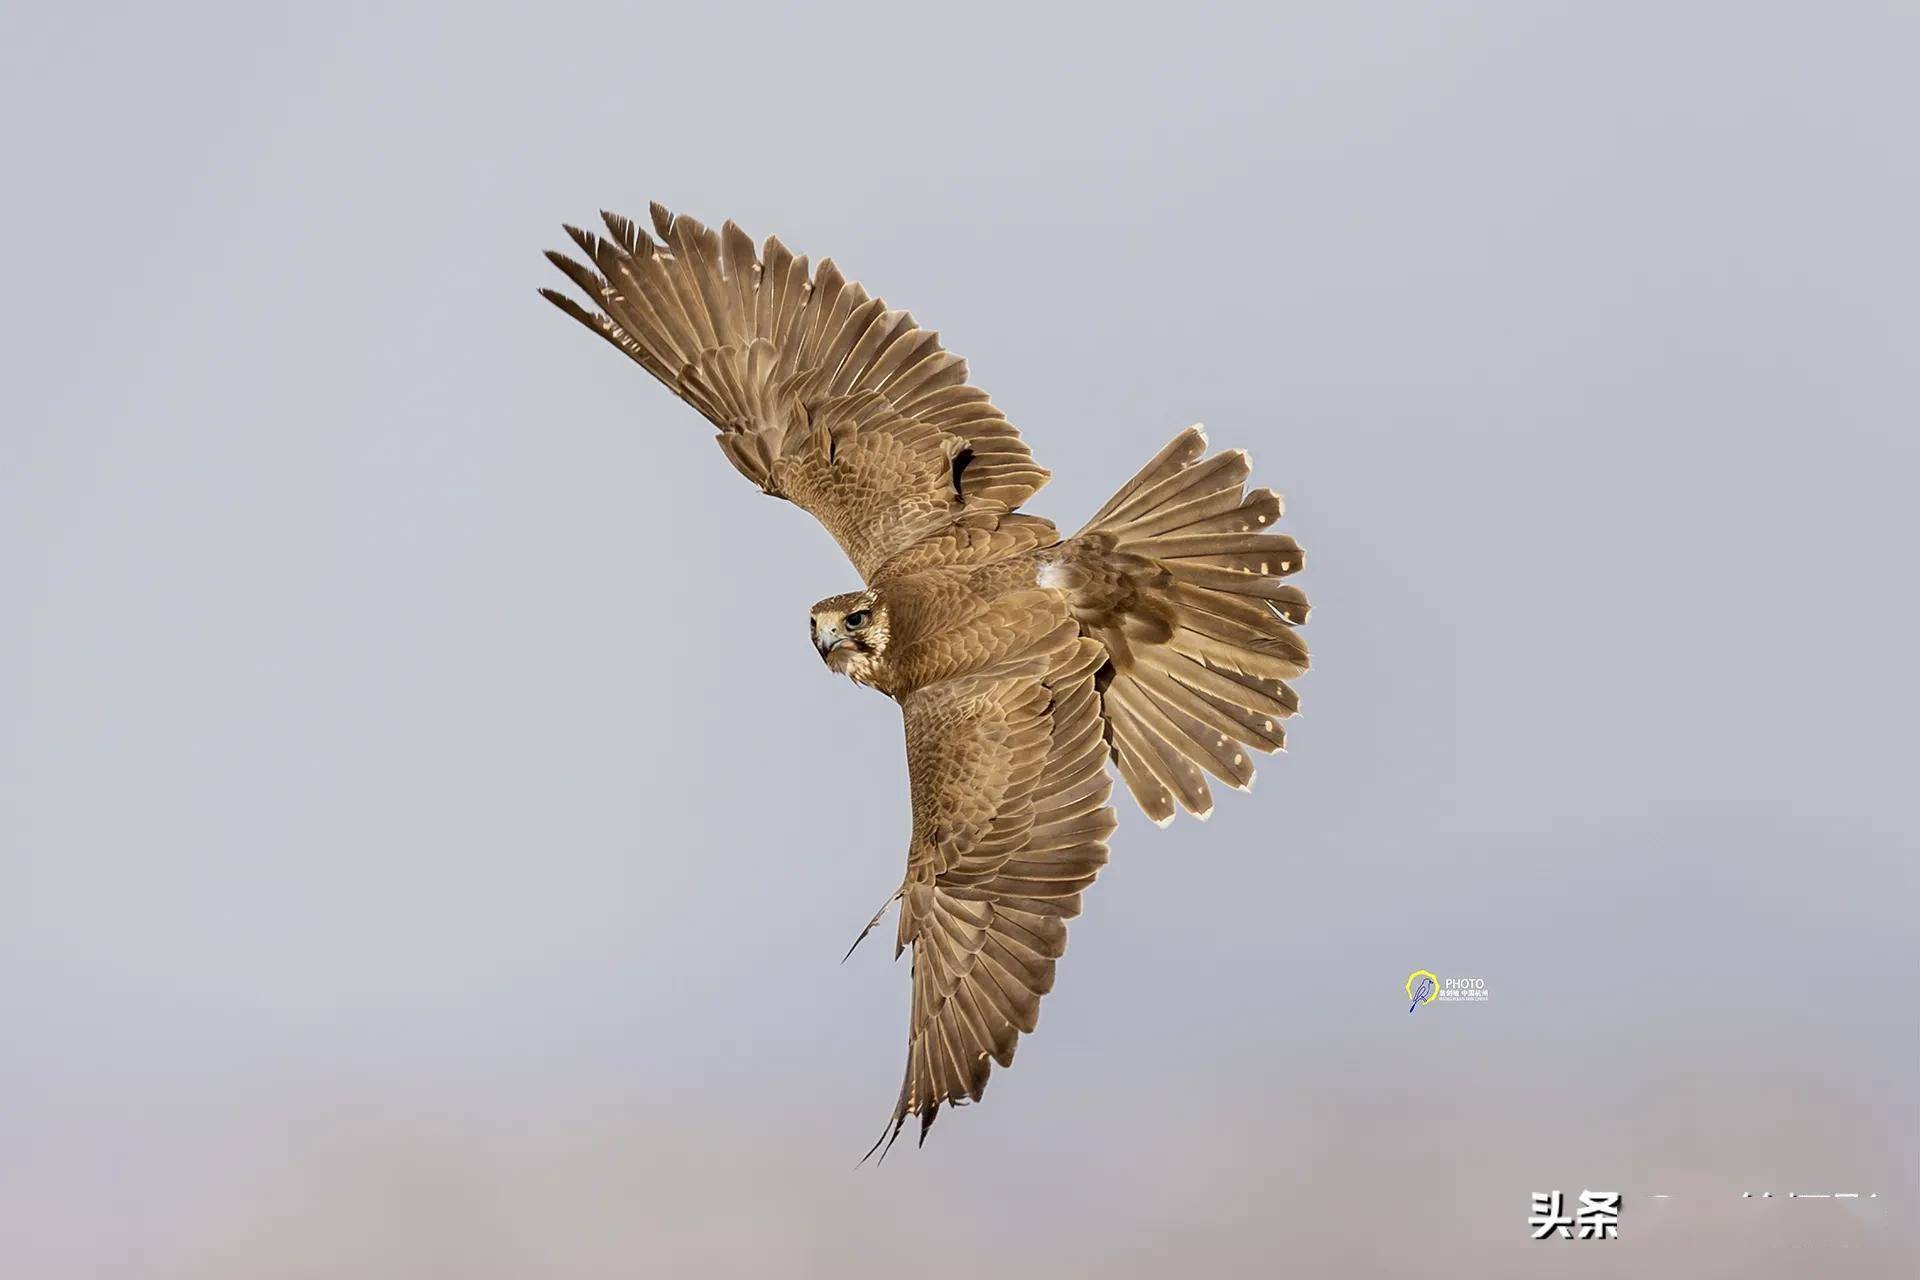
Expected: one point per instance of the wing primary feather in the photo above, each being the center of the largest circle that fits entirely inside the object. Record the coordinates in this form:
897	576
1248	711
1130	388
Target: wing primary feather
759	343
877	916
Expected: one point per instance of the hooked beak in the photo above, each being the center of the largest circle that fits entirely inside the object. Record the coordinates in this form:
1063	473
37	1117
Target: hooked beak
830	639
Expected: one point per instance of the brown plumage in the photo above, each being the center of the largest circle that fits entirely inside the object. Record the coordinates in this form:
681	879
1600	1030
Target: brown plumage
1161	636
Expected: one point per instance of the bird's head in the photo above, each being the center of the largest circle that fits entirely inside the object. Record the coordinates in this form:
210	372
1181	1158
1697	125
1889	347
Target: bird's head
850	631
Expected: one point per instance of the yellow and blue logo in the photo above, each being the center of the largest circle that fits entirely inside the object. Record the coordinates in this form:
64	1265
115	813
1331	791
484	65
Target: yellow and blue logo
1422	988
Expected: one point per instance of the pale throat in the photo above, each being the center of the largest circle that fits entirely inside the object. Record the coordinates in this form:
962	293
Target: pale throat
860	667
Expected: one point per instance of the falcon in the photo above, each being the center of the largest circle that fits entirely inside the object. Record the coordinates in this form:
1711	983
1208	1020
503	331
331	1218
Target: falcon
1159	637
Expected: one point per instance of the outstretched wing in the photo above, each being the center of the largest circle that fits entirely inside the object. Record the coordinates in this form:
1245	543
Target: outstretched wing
1010	822
822	395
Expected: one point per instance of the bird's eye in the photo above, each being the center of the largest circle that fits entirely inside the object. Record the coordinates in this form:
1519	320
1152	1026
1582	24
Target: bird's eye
858	618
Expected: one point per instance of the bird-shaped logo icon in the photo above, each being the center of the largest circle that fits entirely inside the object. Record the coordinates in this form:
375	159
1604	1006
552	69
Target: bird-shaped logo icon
1422	987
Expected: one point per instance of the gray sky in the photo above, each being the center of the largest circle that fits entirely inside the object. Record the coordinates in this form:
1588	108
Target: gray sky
427	840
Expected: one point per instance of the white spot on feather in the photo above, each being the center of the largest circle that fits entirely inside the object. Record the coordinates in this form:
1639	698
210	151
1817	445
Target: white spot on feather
1051	574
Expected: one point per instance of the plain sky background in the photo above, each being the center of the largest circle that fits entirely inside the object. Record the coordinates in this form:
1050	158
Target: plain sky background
427	840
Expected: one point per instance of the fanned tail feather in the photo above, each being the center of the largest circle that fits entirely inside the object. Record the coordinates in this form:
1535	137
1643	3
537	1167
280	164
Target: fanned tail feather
1180	577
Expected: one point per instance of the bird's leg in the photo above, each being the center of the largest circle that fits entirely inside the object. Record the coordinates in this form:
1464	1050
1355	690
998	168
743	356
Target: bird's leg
876	919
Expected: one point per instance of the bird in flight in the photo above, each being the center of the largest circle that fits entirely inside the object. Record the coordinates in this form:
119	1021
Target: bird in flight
1160	637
